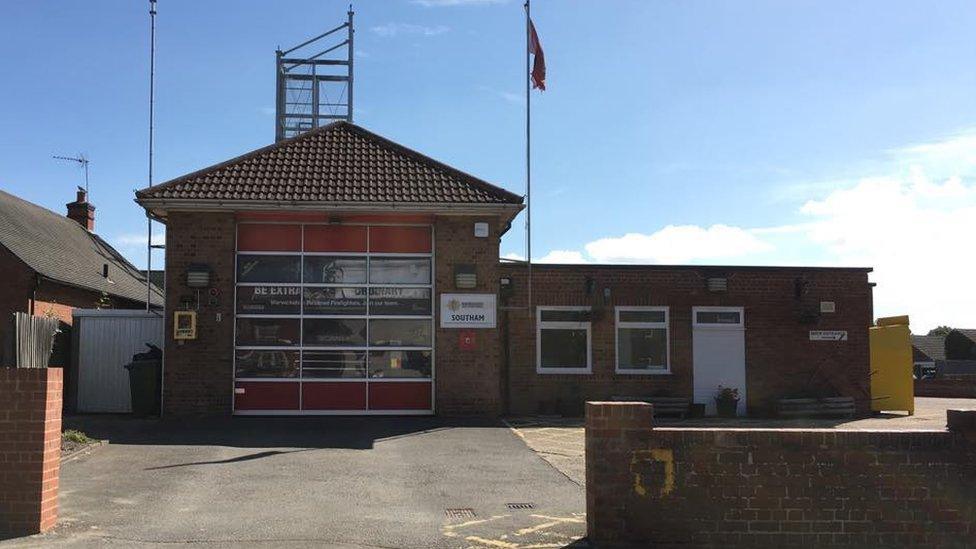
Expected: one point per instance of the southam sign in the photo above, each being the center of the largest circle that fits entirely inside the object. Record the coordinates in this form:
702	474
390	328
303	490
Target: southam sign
468	310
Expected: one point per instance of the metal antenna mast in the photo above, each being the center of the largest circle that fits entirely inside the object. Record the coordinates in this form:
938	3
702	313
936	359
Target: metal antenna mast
80	159
314	90
152	105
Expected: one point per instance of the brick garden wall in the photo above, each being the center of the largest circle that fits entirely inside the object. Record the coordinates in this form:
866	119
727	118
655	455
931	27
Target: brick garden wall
30	449
197	374
780	358
666	487
947	386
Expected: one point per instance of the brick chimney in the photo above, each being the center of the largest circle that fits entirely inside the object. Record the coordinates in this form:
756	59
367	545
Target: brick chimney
82	211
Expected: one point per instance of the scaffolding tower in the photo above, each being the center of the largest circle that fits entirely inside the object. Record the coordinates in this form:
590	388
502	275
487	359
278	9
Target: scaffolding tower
315	90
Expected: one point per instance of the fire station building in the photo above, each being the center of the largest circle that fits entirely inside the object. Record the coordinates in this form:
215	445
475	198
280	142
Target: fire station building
338	272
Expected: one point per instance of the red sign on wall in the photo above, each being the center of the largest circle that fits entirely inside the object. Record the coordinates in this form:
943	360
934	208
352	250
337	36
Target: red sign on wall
466	340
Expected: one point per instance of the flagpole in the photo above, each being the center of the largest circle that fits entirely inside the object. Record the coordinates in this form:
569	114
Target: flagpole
528	153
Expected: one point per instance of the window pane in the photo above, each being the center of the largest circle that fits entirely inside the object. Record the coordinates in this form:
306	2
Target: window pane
267	363
563	348
642	316
267	332
334	364
399	333
268	268
334	332
642	348
719	317
268	300
399	301
335	301
399	364
549	315
323	269
386	270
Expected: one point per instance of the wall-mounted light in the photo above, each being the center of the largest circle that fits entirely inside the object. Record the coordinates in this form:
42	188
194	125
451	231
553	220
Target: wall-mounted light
198	275
481	229
465	277
717	284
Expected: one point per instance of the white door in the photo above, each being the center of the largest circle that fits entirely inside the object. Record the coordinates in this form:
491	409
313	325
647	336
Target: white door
719	354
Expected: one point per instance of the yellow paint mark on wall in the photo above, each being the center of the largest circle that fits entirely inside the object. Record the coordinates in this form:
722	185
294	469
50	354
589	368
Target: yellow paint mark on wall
660	455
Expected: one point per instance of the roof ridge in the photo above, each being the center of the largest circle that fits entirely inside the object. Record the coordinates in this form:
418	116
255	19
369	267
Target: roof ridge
361	158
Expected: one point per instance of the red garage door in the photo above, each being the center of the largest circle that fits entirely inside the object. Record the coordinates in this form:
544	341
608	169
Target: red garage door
333	319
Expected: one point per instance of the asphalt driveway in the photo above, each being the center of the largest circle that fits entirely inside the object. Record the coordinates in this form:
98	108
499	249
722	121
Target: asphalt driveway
339	482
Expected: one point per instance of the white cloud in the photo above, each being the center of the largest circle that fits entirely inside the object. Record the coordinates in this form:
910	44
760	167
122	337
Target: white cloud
915	232
448	3
514	256
130	240
677	244
390	30
562	256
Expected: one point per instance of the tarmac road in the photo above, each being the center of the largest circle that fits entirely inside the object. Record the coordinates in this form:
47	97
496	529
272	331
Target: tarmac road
300	482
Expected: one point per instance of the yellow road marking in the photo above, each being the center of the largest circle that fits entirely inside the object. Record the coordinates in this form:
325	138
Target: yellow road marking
553	521
492	542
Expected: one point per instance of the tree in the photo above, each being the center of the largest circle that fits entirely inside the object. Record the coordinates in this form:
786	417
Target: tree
940	331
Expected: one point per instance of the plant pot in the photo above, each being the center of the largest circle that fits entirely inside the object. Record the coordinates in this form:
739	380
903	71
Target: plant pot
726	407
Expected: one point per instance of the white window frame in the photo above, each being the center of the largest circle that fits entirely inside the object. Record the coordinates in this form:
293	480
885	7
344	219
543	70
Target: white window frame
653	325
539	325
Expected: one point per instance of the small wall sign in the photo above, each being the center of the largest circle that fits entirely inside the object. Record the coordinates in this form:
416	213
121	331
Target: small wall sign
828	335
468	310
184	325
467	341
828	307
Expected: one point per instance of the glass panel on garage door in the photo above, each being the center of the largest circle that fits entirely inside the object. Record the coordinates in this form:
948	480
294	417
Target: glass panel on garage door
333	319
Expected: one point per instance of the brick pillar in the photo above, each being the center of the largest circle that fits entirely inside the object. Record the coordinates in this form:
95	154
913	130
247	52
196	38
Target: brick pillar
613	430
30	449
962	422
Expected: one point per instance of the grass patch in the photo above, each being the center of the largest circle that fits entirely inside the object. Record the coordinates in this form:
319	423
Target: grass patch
72	435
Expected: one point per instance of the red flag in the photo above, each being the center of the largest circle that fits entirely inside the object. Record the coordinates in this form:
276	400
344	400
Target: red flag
539	61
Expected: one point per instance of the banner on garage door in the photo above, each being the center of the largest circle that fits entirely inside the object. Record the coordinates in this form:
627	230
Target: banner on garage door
468	310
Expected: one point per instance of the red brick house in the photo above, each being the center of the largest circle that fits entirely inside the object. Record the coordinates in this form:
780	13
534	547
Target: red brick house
54	263
338	272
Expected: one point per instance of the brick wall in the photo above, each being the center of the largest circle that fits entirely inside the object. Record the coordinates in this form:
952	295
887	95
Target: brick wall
466	382
666	487
947	386
780	359
30	449
197	374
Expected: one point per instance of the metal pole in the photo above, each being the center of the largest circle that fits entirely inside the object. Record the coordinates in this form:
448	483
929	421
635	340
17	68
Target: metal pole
279	98
152	90
528	152
87	193
351	52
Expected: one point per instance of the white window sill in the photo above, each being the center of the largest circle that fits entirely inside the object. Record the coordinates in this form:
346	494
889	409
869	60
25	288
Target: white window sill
644	372
573	371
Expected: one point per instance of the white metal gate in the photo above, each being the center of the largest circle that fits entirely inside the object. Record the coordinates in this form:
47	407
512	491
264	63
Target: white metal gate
106	340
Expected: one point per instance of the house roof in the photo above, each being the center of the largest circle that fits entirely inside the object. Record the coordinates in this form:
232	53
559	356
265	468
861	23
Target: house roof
339	164
969	333
932	346
60	249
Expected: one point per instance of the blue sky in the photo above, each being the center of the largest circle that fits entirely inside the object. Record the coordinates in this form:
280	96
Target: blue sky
750	132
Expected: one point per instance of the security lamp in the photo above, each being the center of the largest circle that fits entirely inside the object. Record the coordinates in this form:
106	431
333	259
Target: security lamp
198	275
465	277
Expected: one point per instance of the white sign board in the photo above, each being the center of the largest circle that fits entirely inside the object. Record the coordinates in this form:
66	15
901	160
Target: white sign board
828	335
468	310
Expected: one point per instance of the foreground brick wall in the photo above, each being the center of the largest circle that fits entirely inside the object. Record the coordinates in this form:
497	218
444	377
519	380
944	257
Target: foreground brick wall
30	449
781	360
197	374
948	386
665	487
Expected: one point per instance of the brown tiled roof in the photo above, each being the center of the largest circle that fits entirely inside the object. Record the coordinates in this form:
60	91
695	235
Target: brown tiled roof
932	346
337	163
60	249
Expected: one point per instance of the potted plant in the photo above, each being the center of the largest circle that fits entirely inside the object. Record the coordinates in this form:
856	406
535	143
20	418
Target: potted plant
727	401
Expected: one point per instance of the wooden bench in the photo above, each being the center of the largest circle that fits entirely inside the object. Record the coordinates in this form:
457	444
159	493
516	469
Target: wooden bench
663	406
813	407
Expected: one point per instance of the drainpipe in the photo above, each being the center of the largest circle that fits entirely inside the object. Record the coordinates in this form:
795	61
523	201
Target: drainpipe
37	284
